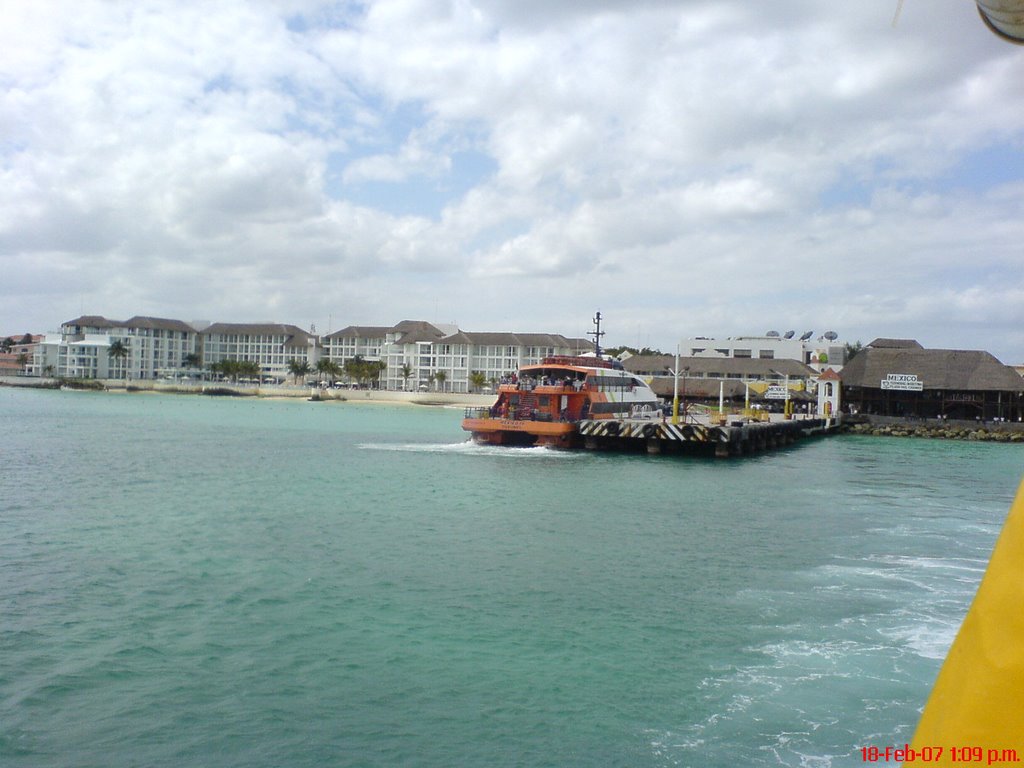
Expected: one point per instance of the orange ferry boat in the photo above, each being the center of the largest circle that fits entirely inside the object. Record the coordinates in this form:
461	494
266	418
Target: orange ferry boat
544	404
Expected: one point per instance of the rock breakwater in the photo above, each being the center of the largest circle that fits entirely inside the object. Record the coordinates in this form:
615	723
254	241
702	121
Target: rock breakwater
987	433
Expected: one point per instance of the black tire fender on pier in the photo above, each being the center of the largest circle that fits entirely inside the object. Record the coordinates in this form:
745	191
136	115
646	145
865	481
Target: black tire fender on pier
612	429
650	430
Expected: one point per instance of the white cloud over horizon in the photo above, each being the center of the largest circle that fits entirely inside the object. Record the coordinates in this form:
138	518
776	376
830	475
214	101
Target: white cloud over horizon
688	167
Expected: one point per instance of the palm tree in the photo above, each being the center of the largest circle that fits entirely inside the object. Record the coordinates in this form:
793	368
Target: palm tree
298	368
441	377
232	369
118	351
355	368
327	367
406	375
477	380
250	369
335	371
191	360
364	371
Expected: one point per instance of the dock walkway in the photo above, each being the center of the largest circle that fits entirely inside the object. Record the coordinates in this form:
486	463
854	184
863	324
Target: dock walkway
721	438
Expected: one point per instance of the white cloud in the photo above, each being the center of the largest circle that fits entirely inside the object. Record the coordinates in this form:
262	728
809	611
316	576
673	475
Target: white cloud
690	166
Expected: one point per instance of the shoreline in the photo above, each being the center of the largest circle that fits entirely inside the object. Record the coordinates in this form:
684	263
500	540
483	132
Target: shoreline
286	392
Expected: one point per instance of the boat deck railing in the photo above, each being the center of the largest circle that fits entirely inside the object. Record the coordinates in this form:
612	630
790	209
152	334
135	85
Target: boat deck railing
513	414
556	387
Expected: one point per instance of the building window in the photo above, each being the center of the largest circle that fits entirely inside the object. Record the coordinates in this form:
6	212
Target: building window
766	354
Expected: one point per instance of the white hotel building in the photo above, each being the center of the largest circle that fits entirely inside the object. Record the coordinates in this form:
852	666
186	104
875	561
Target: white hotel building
160	348
425	350
272	345
156	347
818	353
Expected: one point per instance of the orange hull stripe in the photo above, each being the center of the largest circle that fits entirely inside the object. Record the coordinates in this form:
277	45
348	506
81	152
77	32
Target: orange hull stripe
553	428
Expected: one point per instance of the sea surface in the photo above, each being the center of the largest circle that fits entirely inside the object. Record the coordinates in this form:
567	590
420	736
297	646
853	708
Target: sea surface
189	581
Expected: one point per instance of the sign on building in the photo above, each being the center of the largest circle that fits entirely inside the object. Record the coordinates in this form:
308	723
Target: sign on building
775	393
905	382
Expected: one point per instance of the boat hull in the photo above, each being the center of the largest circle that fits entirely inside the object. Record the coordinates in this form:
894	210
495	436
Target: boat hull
521	432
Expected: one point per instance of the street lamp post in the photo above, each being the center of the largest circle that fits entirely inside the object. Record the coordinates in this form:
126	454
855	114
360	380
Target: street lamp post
684	391
675	389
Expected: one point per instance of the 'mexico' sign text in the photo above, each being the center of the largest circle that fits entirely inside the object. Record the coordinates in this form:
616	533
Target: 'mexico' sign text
907	382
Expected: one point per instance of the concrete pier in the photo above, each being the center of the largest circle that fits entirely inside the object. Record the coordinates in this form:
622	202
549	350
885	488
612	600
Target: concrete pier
723	440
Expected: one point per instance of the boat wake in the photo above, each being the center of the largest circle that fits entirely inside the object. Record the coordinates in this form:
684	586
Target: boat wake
469	448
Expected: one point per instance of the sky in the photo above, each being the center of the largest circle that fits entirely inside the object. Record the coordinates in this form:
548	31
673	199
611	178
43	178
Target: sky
685	167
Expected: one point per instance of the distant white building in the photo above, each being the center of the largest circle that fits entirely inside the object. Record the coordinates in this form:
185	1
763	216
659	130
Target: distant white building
493	355
271	345
417	355
405	348
818	353
153	347
422	355
363	341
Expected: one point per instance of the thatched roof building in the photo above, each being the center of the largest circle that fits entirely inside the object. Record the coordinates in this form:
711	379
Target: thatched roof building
907	380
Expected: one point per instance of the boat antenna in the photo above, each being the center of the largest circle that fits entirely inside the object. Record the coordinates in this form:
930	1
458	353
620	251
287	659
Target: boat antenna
597	333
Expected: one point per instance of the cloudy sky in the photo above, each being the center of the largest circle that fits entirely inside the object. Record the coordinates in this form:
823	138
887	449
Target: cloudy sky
687	167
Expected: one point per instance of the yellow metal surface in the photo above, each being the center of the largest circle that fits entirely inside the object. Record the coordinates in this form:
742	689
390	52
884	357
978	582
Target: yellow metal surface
978	698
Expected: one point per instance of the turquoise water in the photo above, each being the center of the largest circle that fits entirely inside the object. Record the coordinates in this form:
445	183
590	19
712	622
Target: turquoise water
191	581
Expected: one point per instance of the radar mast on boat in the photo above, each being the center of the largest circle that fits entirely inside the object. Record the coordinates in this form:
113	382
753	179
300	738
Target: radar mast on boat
597	333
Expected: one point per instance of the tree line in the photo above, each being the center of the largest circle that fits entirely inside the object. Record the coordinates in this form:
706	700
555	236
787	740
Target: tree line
357	369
